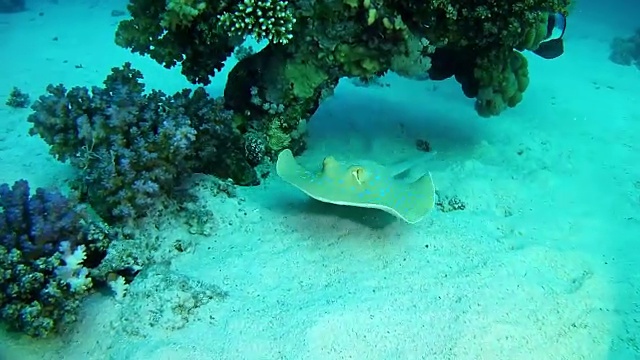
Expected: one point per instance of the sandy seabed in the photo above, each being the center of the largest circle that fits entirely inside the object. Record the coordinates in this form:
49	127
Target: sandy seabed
539	265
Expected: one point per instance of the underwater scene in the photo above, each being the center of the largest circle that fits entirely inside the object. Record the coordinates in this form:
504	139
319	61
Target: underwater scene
319	180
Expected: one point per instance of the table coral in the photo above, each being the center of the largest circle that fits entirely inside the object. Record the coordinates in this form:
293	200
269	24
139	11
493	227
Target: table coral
312	44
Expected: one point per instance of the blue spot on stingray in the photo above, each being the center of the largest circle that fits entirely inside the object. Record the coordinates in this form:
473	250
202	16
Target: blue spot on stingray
364	192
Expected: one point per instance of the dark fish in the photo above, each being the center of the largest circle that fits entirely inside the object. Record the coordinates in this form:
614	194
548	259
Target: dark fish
553	44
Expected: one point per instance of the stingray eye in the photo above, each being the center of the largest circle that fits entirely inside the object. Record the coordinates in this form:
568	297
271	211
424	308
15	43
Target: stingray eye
358	174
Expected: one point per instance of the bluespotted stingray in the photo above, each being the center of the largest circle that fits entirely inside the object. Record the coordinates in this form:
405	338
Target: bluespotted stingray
366	184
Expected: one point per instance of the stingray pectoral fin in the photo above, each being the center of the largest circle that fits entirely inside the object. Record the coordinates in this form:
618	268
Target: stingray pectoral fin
287	167
417	200
426	190
290	171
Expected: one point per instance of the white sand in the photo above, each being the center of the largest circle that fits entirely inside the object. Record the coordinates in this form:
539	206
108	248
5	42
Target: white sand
542	264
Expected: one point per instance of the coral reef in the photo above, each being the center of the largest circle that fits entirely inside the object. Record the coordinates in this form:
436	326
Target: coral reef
133	150
18	99
47	244
494	84
626	51
312	44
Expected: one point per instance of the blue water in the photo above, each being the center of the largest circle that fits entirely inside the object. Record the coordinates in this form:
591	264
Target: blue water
529	253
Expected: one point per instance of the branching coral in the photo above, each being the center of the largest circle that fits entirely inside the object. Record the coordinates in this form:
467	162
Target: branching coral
415	62
181	13
132	149
264	19
171	37
47	242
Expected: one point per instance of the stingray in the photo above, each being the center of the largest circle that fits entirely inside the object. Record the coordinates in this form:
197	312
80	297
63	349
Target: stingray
364	184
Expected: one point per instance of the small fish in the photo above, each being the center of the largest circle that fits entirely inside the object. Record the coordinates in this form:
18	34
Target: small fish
553	44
